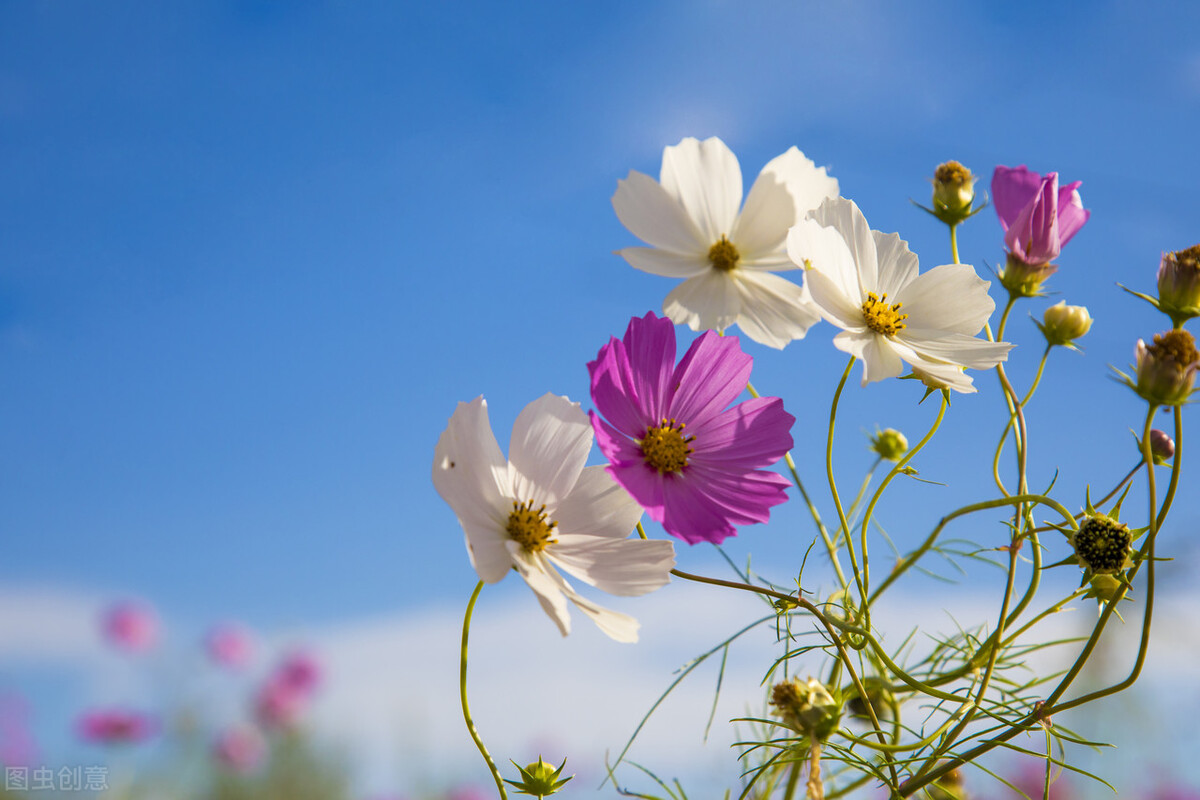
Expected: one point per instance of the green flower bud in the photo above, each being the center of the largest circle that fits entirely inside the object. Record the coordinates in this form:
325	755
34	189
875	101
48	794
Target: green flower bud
890	444
1179	284
807	706
953	192
879	695
948	787
1063	324
539	778
1166	369
1102	545
1025	280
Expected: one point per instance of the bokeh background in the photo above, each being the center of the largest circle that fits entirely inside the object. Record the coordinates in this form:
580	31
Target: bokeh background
252	254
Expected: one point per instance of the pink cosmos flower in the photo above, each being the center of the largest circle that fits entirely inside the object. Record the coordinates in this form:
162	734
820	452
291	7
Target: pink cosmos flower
693	464
131	626
240	748
115	726
1038	216
229	645
300	671
287	692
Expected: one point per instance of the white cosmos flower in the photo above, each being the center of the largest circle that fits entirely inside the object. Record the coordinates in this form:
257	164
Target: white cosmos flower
691	217
542	509
866	283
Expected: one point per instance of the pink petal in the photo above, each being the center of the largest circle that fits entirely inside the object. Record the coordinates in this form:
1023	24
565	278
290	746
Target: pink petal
750	435
1012	189
1071	213
710	376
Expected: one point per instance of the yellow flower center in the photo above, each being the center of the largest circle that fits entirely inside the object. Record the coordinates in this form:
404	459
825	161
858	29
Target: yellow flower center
530	527
723	255
882	318
665	448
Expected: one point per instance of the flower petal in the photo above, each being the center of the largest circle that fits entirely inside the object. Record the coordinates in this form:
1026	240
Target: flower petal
667	263
808	184
844	216
897	264
706	302
825	251
745	498
617	626
832	302
652	215
775	311
1012	189
1071	213
470	474
612	389
943	376
597	507
950	298
956	348
547	584
762	226
704	178
878	356
689	514
624	567
550	443
748	436
710	376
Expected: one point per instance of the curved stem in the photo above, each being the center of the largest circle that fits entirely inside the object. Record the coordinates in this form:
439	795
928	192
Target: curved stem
837	500
462	691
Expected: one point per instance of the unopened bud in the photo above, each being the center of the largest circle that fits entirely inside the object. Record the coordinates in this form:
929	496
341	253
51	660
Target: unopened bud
539	779
948	787
1179	284
1166	369
1063	324
953	192
890	444
807	706
1162	447
879	695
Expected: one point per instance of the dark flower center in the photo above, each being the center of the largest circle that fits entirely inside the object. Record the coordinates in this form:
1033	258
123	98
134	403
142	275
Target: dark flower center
723	255
881	317
530	527
1103	544
665	448
1174	346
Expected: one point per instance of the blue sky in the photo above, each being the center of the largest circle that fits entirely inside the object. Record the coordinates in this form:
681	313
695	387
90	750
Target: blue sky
252	254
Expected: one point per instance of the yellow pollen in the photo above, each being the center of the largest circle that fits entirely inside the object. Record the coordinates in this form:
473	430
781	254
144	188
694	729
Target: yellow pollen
723	255
882	318
665	448
530	527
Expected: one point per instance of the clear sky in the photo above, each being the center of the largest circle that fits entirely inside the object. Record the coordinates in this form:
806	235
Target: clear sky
252	254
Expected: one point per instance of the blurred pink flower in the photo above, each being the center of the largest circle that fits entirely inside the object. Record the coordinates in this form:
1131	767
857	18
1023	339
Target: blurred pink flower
230	644
17	747
115	726
240	748
131	626
1030	778
286	694
300	671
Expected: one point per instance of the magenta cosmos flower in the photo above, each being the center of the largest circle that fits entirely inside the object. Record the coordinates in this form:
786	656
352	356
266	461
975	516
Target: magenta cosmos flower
230	644
693	464
1038	216
131	626
114	726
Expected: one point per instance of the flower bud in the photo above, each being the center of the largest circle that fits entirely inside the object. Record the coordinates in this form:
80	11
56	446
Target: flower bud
948	787
807	706
1166	369
1162	447
1023	279
890	444
1063	324
1104	587
1179	284
953	192
1102	545
539	779
879	695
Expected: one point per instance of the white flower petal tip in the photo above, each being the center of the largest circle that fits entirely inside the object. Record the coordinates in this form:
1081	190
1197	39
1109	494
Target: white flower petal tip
867	283
542	507
700	232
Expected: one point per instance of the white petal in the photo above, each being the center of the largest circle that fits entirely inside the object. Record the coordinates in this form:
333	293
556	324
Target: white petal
832	303
597	506
897	264
845	217
879	357
706	302
950	298
762	227
807	183
824	250
547	584
471	475
665	262
956	348
774	310
625	567
943	376
704	177
652	215
618	626
550	443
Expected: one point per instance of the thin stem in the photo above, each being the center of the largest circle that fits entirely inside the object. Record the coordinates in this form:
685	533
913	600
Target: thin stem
837	500
462	692
793	780
954	243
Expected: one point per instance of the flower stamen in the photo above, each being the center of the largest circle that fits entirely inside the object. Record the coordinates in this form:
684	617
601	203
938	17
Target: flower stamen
665	448
531	528
723	255
881	317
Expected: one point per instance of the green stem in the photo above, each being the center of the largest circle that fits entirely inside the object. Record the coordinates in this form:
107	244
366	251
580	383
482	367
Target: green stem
837	500
954	243
793	780
462	692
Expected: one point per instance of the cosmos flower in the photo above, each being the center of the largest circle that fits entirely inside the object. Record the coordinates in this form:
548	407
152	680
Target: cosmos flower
240	748
694	219
1038	216
542	510
229	644
288	690
866	283
130	626
694	464
115	726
